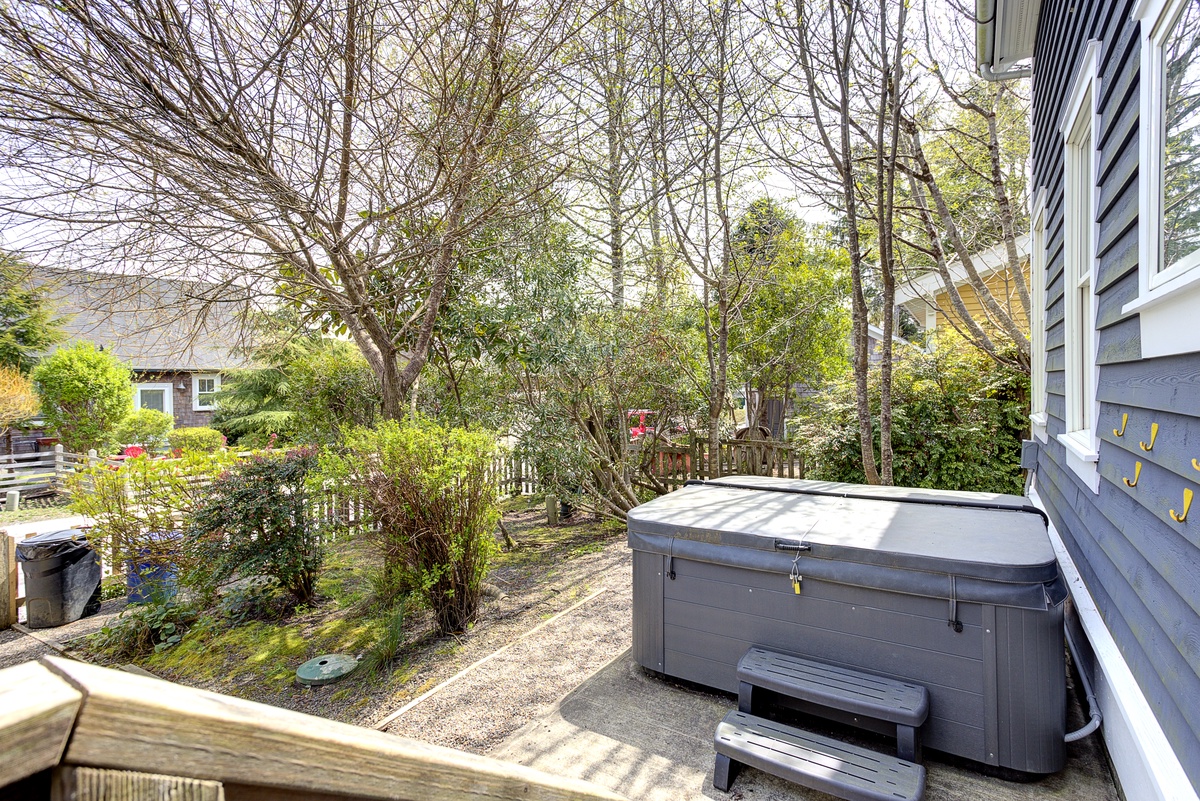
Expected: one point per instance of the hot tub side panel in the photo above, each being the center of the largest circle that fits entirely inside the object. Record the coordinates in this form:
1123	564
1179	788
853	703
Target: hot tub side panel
648	609
1028	662
982	680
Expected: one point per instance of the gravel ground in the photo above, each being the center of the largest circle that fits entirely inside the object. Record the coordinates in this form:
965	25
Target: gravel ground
16	647
496	698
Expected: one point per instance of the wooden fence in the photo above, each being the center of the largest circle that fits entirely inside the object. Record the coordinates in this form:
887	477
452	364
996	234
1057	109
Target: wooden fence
672	465
37	473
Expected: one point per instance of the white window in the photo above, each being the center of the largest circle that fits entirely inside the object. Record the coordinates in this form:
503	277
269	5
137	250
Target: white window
1169	177
1037	317
204	388
154	396
1079	253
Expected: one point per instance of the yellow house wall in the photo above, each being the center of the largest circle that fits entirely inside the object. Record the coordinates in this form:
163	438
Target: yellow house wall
1003	289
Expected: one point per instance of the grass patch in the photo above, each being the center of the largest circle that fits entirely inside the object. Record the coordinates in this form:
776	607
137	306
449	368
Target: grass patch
35	509
260	651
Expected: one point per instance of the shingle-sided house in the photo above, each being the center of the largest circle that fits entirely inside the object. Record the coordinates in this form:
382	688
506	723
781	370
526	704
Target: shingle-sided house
1116	397
179	337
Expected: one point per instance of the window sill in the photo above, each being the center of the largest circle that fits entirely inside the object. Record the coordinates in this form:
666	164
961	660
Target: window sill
1082	458
1168	316
1037	424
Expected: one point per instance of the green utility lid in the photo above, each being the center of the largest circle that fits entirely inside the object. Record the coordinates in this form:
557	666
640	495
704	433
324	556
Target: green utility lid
325	669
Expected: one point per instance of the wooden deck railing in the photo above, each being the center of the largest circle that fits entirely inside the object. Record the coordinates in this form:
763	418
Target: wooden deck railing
104	730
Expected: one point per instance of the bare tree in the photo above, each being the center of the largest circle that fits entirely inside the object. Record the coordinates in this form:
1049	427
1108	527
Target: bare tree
709	99
343	157
981	133
836	130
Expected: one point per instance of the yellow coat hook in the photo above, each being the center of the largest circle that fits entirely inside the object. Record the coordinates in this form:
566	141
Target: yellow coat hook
1137	473
1196	463
1187	504
1153	436
1124	422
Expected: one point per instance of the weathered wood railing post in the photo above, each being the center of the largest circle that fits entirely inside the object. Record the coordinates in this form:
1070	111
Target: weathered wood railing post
59	470
8	581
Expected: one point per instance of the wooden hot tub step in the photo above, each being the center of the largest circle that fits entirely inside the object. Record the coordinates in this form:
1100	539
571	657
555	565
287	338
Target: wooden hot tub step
811	760
900	703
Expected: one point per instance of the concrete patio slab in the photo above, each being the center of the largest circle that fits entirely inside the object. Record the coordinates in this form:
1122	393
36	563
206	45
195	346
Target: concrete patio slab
651	739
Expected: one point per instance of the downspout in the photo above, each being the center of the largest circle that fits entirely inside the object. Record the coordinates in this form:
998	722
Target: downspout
1093	704
1029	462
985	72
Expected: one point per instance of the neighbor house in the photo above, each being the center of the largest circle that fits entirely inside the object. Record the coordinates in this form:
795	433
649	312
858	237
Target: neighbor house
926	299
1115	252
179	337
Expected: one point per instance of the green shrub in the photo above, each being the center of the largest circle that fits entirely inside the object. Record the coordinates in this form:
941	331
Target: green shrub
255	522
256	599
330	388
958	422
148	428
196	439
432	504
85	393
145	628
134	505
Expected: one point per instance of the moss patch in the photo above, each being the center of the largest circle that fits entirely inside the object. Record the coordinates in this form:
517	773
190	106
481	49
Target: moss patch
257	658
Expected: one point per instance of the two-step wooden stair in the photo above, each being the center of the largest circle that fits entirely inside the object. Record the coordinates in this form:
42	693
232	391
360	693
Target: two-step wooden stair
822	763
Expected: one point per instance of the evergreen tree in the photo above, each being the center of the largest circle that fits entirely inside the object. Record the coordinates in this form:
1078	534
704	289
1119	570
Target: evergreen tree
27	326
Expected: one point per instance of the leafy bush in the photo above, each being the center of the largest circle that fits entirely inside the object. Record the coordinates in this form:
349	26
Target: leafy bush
148	428
139	507
332	388
958	422
256	599
254	521
85	393
427	491
196	439
145	628
310	390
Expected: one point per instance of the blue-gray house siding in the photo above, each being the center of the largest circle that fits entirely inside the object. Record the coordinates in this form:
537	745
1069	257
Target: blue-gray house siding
1142	568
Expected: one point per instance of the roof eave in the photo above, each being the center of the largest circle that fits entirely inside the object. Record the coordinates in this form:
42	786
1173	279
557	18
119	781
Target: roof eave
1005	34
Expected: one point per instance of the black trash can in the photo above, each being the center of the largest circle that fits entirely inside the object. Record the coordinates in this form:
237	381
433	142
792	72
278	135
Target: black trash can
62	578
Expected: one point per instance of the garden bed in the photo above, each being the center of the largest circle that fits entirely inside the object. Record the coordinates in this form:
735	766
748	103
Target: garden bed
550	569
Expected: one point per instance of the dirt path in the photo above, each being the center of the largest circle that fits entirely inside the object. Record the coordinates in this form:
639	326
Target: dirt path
496	698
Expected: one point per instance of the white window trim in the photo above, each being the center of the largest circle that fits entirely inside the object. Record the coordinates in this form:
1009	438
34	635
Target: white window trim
1081	444
1037	316
168	396
196	407
1167	298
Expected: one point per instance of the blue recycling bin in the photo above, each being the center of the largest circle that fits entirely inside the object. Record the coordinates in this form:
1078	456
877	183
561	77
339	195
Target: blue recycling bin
153	574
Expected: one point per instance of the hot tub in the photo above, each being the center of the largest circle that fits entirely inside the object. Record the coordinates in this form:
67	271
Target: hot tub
957	591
